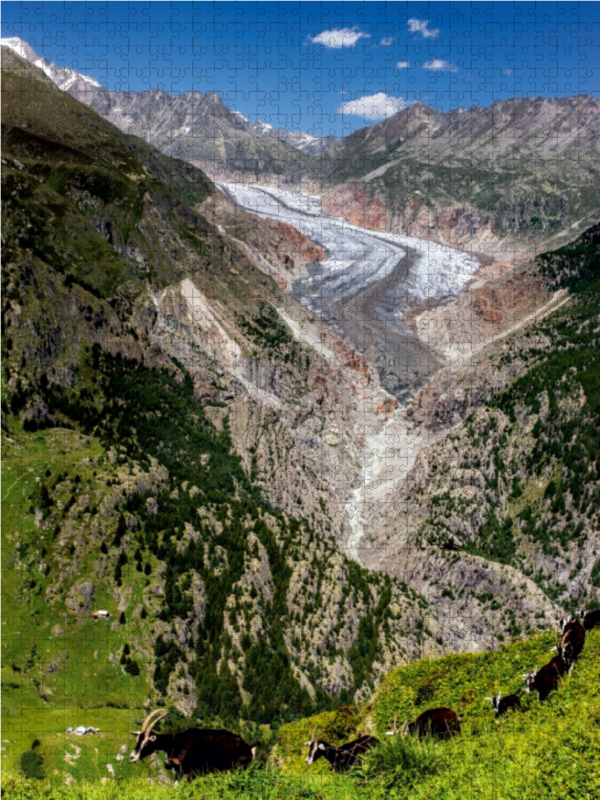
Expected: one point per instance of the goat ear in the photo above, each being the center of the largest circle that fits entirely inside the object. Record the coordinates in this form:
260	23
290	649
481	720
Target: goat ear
153	738
321	746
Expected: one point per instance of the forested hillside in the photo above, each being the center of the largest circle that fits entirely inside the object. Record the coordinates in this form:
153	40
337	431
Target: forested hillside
123	491
518	482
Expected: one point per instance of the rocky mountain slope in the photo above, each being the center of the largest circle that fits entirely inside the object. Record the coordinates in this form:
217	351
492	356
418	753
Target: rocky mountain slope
493	179
151	394
301	140
512	473
194	126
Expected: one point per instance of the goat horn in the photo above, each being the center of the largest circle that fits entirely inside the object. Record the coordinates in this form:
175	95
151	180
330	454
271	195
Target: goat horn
155	722
404	728
312	736
395	724
148	723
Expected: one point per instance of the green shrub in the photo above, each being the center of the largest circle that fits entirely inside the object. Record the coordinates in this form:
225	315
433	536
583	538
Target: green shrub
32	764
401	761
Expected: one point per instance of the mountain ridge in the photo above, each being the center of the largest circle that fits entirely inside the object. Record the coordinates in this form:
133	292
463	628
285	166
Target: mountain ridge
190	120
495	180
500	180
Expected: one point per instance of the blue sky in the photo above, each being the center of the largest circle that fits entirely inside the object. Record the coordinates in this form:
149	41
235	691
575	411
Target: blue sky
325	67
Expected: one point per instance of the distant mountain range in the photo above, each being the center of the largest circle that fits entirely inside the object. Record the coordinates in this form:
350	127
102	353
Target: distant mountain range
194	126
520	171
300	139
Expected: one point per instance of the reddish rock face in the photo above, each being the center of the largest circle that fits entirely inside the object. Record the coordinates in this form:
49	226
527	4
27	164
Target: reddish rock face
483	306
355	361
459	226
495	302
351	203
299	244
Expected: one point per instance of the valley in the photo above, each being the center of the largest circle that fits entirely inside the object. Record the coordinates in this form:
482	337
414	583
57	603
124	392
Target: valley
325	418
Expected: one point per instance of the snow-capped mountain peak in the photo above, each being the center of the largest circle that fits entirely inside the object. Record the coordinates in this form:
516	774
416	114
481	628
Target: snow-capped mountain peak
298	139
20	47
110	104
64	77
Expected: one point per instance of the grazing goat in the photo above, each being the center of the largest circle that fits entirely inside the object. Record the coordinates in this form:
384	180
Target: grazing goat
441	723
572	639
340	758
193	752
545	680
590	619
503	704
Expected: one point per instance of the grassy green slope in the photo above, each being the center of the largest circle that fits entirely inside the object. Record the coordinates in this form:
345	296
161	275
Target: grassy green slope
549	750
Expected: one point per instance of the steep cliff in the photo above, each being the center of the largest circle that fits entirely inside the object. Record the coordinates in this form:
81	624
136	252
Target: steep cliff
511	477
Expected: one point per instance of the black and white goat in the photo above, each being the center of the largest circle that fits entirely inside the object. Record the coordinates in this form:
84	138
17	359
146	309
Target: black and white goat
502	705
572	639
545	680
340	758
197	751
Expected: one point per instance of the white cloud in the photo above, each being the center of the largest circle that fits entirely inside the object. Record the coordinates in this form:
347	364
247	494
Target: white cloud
374	106
439	64
387	41
339	37
402	65
421	26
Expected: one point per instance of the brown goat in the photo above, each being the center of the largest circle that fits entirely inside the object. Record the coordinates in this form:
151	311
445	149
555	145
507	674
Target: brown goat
545	680
440	723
